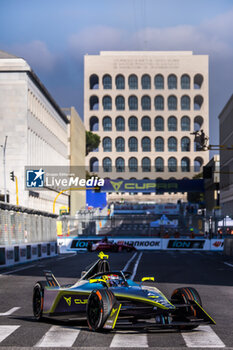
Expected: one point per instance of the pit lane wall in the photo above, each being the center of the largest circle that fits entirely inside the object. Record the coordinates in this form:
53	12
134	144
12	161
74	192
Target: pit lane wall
67	244
18	254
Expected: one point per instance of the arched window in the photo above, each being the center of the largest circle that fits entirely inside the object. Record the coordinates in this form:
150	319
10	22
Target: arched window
120	82
185	103
107	165
146	103
172	82
94	124
120	144
185	164
198	122
133	103
146	82
107	124
120	103
133	124
159	164
172	144
172	123
107	103
120	165
185	81
94	103
198	80
185	123
198	101
120	124
133	82
146	164
146	124
159	144
146	144
198	162
107	144
159	103
94	164
133	164
172	103
172	164
185	144
159	124
94	82
133	144
159	82
107	82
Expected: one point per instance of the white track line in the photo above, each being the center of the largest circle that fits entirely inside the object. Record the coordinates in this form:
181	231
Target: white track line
10	312
5	331
129	341
136	266
59	336
12	271
129	261
202	337
228	264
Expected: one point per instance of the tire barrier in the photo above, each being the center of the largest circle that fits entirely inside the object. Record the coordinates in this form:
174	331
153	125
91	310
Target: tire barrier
18	254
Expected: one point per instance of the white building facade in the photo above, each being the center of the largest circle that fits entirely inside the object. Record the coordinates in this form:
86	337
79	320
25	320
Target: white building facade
144	105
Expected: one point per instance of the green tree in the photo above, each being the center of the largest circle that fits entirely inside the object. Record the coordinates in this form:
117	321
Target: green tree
92	141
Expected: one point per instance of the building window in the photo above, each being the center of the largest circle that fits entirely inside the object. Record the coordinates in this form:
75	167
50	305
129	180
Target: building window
94	82
120	165
146	82
146	144
185	144
198	162
159	144
159	124
159	103
107	144
185	164
185	82
133	103
146	164
107	124
185	103
107	82
107	165
159	164
107	103
172	82
120	144
133	124
172	124
146	103
120	82
133	164
198	80
133	82
133	144
172	144
172	164
172	103
120	103
94	103
185	123
94	164
198	101
120	124
94	124
159	82
146	124
198	123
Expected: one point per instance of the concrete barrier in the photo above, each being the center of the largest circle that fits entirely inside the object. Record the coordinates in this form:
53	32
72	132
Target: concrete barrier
228	246
19	254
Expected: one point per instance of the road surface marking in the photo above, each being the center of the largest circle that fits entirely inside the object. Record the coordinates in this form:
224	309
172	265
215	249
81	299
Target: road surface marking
129	341
136	266
202	337
10	312
58	336
12	271
5	331
127	264
228	264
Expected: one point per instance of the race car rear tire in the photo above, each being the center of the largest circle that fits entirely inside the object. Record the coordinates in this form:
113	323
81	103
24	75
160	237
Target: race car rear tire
182	296
99	306
38	299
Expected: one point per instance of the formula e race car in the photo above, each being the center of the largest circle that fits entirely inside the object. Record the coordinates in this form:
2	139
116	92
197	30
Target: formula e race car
108	298
108	246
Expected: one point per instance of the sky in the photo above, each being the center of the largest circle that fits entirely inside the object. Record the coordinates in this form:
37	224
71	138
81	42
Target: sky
54	35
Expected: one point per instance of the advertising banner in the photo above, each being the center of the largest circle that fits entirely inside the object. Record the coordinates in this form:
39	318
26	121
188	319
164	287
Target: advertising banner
217	244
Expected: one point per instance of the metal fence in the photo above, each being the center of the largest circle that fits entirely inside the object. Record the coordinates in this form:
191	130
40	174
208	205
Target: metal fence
18	227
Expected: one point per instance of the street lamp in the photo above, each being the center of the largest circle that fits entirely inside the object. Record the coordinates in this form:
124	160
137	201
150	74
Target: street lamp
4	167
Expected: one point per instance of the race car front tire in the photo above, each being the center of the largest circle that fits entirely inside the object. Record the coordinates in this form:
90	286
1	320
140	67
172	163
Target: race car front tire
99	306
38	299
